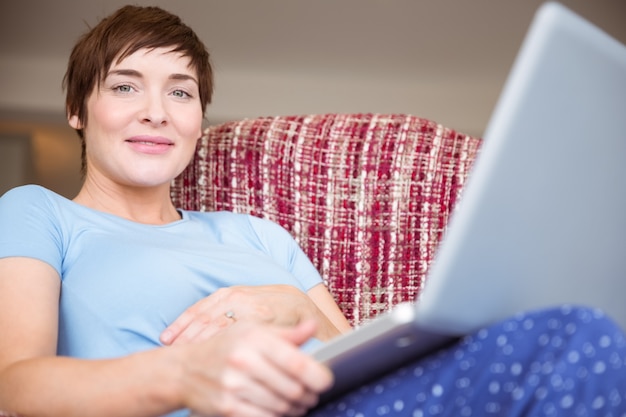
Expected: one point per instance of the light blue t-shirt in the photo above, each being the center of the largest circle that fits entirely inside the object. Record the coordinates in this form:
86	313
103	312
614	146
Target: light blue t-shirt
124	282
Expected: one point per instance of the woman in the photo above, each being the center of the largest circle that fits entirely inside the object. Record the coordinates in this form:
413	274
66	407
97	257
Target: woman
118	304
100	277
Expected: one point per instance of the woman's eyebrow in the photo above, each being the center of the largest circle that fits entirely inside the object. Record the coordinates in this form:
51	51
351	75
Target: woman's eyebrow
128	72
183	77
137	74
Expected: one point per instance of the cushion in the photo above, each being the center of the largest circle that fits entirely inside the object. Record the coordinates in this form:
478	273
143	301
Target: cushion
367	196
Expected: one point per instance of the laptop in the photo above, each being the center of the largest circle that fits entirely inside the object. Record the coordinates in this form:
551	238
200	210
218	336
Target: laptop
542	221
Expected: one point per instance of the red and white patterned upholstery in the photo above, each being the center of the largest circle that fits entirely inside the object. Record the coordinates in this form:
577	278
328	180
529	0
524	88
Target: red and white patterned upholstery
367	196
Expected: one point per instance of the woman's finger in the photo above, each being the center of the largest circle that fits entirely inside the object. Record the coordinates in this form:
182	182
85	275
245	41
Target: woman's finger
294	363
177	327
257	365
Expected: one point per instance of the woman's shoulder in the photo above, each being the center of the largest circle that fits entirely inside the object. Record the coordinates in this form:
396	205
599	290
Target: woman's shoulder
247	227
29	195
31	205
227	219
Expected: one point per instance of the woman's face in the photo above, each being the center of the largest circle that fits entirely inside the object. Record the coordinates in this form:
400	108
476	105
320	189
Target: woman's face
143	121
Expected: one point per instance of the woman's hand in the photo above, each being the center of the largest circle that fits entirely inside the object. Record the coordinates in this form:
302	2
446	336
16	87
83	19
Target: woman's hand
252	370
277	304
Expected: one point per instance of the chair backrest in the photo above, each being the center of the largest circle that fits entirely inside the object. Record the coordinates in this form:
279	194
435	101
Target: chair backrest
367	196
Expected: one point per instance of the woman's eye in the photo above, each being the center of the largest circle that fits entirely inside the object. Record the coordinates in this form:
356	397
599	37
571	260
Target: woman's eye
180	94
124	88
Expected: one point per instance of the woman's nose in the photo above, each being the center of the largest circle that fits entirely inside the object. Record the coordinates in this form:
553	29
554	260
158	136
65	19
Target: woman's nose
154	111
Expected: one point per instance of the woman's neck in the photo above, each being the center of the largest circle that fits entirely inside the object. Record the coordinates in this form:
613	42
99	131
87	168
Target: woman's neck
147	205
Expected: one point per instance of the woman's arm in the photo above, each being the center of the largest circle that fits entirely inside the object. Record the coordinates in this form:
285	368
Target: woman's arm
277	304
325	302
246	370
33	381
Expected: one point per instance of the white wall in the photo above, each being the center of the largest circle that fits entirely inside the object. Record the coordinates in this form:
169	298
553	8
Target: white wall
444	60
463	103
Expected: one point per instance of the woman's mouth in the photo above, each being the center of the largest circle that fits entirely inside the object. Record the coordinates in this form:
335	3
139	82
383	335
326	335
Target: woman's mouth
152	145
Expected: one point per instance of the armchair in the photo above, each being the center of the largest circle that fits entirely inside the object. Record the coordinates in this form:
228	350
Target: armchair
367	196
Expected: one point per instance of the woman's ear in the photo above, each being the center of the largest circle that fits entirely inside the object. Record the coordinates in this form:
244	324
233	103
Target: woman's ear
75	122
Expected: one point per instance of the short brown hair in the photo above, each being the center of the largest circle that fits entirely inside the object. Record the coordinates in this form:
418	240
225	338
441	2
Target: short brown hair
121	34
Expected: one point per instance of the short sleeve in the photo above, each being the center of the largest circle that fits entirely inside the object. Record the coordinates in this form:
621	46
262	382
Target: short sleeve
29	226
